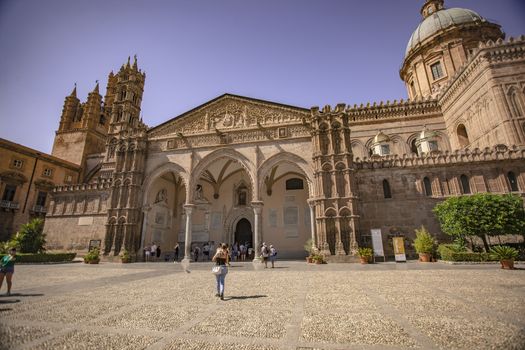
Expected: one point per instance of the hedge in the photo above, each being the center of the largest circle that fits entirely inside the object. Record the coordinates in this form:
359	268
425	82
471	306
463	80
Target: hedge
448	253
43	257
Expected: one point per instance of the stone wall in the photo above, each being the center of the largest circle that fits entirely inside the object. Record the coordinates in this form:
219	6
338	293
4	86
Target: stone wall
76	215
410	205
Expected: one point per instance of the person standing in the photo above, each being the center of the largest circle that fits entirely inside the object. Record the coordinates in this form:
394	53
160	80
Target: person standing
158	252
176	252
265	253
206	251
273	255
7	269
221	259
153	251
147	253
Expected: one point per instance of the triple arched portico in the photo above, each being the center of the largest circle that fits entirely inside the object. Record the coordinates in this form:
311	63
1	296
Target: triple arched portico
223	187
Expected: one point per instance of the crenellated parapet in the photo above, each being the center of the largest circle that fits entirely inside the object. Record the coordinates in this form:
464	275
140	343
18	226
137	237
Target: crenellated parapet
393	110
103	184
487	53
437	158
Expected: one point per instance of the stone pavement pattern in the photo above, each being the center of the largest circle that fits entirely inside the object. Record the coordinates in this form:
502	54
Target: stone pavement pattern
296	306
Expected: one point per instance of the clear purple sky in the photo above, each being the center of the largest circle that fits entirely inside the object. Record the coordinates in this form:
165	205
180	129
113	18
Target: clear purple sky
297	52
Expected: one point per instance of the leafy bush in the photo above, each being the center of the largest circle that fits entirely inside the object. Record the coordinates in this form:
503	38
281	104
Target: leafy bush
318	258
501	252
43	257
448	253
308	247
92	255
424	242
481	214
30	238
124	256
365	252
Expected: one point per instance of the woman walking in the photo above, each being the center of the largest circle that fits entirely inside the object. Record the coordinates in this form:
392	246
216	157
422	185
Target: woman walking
221	259
7	269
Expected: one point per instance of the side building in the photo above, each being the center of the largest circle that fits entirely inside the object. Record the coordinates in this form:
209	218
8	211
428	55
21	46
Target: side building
27	178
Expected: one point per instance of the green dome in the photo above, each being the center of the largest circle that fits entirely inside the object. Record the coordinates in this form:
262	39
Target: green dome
438	21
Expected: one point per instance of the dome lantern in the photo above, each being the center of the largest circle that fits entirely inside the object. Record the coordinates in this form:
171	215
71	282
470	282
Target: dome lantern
431	6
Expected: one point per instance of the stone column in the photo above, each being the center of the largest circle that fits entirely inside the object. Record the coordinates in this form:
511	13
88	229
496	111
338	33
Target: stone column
257	209
188	209
339	248
145	211
311	204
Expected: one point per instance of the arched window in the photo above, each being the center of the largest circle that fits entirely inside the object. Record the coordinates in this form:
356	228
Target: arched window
512	181
514	103
294	184
242	195
428	187
413	146
386	189
462	136
465	184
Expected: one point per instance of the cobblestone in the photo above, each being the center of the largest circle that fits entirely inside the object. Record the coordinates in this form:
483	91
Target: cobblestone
159	306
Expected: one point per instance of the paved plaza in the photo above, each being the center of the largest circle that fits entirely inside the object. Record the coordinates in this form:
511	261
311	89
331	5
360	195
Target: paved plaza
294	306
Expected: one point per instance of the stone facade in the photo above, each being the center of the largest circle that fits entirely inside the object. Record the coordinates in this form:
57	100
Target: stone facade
238	169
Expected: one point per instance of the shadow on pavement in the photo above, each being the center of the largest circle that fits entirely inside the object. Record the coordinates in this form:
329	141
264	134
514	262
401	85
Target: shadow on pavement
9	301
23	295
245	297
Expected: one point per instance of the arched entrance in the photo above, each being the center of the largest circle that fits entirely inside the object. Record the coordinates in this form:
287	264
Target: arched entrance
243	232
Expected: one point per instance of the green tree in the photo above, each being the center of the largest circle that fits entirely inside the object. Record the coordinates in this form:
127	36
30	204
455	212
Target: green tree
482	215
30	238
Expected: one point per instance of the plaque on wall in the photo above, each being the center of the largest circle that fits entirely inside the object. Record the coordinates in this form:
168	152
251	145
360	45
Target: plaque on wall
216	220
272	217
291	216
85	221
94	243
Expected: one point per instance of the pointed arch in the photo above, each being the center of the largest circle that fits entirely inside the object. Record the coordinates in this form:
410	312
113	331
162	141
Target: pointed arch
158	172
220	153
514	102
286	157
462	135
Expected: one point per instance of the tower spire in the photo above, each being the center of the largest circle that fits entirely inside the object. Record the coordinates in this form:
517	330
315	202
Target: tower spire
96	87
74	92
135	65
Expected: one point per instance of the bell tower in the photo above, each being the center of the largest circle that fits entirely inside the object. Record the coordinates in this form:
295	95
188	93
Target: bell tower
82	129
124	159
336	204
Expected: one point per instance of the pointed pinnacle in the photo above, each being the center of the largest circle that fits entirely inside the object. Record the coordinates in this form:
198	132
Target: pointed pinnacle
96	87
74	92
135	66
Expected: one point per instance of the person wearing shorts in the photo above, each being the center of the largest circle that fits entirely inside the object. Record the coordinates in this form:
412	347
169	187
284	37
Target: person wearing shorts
7	269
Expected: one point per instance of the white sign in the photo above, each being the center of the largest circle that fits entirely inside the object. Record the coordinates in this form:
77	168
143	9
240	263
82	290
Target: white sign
377	242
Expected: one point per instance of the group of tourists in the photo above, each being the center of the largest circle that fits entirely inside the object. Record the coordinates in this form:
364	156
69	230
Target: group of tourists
268	253
152	252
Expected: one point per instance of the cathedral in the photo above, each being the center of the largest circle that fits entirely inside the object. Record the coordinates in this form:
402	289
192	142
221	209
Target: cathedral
239	169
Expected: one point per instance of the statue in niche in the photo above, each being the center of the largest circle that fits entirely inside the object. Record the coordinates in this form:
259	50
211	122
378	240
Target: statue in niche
198	192
162	196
